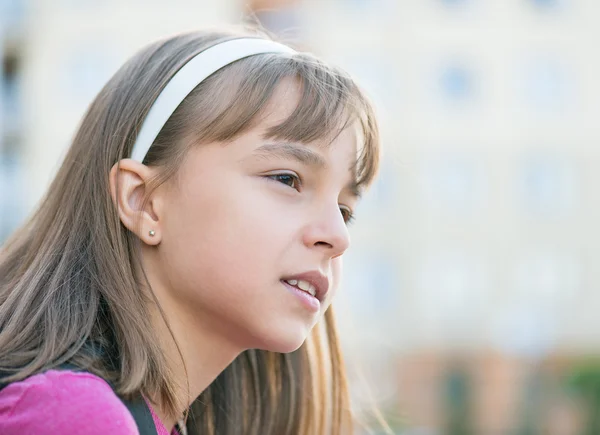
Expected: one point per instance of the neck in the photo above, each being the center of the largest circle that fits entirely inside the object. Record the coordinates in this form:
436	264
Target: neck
195	353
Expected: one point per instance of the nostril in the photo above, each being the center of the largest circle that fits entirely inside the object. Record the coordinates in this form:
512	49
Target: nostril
327	245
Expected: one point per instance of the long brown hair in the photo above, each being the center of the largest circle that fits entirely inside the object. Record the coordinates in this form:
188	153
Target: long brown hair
68	286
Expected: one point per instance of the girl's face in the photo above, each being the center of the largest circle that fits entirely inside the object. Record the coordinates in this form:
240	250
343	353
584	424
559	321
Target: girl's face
244	224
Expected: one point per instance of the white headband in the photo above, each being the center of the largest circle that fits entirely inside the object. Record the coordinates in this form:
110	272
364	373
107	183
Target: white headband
191	75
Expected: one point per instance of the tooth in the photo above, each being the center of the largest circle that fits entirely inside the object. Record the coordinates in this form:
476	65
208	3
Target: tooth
307	287
303	285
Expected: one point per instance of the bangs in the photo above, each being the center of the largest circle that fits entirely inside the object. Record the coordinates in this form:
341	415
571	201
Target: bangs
330	101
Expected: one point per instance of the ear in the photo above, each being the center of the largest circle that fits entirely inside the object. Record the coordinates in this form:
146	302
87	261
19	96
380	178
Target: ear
128	187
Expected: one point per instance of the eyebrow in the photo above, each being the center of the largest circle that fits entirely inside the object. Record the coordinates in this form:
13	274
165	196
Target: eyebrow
303	155
292	151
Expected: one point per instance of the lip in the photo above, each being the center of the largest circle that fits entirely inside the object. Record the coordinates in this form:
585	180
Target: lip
319	281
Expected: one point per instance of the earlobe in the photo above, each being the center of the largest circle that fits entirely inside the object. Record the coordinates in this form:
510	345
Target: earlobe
128	187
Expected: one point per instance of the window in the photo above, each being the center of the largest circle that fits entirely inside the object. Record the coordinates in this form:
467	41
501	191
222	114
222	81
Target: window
546	85
11	12
383	194
453	3
547	284
454	183
87	70
381	5
376	74
11	182
452	286
12	204
552	277
546	4
453	84
456	82
549	184
371	285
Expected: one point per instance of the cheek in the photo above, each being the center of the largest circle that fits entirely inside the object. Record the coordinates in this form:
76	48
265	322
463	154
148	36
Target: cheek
233	231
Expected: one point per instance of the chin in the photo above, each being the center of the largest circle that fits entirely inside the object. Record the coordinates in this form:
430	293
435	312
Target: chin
284	340
284	347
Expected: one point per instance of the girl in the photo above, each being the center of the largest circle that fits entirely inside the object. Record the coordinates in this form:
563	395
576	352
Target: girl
188	247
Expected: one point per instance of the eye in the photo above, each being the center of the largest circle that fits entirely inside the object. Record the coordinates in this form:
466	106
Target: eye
290	180
347	215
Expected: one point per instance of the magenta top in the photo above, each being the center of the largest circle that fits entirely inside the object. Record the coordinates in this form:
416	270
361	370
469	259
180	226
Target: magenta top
66	402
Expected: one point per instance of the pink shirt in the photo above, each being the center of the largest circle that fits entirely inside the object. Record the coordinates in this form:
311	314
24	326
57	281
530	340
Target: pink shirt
66	402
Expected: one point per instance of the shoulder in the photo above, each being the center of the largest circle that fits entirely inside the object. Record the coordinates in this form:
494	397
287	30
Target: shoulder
66	402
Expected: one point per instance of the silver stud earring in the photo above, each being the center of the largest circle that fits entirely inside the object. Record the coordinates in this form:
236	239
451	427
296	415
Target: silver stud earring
152	233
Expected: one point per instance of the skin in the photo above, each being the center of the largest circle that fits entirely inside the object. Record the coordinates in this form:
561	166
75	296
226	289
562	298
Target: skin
227	228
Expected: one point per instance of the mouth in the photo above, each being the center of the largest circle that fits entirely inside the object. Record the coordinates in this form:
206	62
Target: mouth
314	283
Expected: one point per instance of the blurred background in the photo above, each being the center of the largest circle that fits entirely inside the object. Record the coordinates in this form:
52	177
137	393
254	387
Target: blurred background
469	304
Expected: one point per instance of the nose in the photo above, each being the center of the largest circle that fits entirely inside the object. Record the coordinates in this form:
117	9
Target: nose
328	232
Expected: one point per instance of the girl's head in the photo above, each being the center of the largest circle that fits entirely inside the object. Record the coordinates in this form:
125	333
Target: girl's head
245	193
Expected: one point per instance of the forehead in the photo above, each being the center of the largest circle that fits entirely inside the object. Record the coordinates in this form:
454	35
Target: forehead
342	140
283	101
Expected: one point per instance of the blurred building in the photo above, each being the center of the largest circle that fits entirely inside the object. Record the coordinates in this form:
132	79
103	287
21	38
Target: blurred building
475	255
469	293
63	53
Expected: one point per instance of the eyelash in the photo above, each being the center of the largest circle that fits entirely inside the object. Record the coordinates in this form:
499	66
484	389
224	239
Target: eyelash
295	179
347	214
